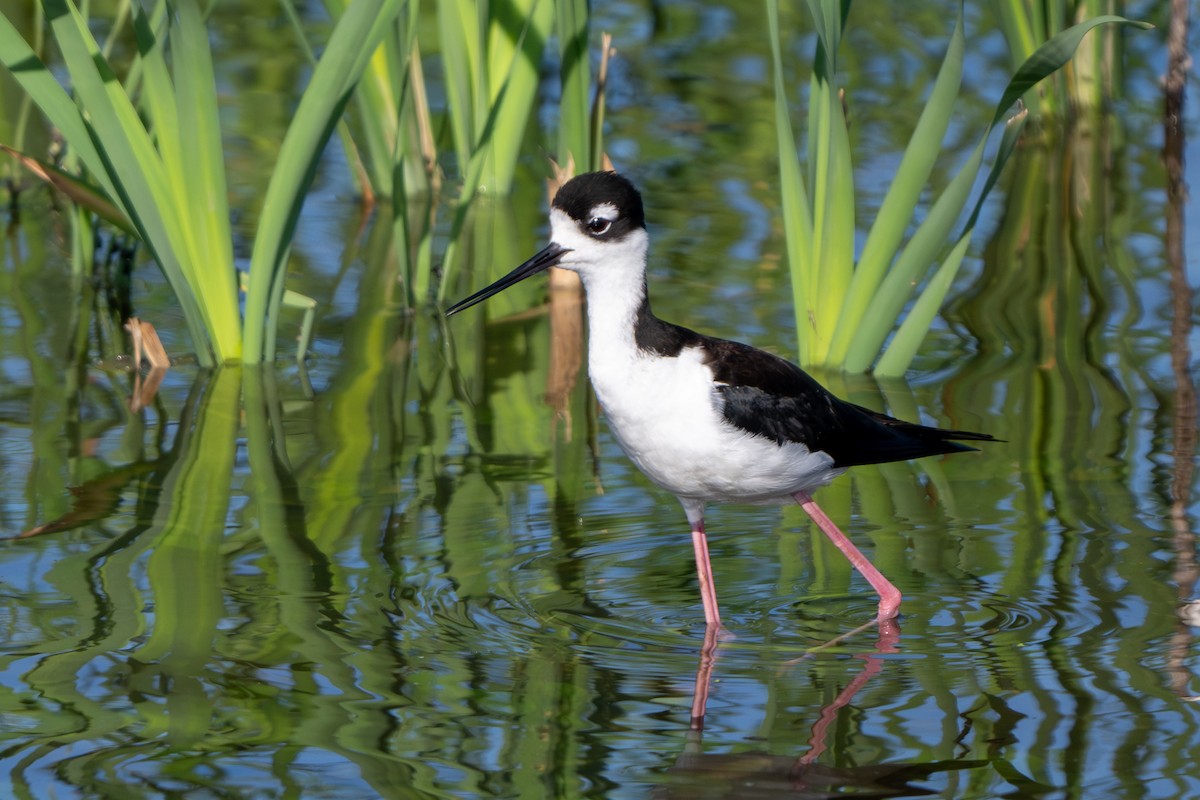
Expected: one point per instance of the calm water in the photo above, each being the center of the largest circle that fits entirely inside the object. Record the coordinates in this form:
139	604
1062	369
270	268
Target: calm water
418	566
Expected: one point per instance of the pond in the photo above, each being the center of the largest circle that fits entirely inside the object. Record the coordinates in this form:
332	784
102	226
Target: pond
418	565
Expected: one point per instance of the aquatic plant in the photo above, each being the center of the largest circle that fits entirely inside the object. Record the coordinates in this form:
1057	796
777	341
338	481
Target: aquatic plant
165	174
1090	78
848	310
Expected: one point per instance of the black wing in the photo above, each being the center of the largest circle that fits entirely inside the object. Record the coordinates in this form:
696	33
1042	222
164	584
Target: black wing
774	398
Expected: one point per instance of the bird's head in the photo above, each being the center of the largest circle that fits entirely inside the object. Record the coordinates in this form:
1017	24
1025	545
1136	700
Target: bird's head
597	229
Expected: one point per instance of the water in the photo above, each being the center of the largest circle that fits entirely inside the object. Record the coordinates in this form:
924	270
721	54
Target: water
398	571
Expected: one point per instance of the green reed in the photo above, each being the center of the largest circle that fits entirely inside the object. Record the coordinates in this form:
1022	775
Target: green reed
145	153
1091	77
851	313
154	149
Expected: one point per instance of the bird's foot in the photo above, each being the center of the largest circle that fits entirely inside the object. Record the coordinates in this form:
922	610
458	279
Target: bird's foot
889	605
718	633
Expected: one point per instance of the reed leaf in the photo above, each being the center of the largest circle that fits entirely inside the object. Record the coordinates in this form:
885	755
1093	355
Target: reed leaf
498	119
903	347
206	200
490	54
460	29
797	212
845	312
414	161
1093	77
44	89
83	194
903	195
136	170
910	266
393	112
513	65
831	176
574	124
148	178
183	106
170	183
378	102
354	39
599	158
1050	57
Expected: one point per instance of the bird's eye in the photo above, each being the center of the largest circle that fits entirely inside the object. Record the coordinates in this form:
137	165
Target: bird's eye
599	225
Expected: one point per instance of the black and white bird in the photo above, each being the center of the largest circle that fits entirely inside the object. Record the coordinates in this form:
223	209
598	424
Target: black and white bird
707	419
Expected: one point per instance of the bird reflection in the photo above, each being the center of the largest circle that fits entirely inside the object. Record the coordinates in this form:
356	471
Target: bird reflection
750	775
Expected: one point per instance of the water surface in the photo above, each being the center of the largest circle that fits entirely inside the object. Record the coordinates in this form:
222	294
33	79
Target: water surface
418	565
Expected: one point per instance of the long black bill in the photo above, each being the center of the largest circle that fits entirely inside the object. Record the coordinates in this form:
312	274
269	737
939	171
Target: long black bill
548	257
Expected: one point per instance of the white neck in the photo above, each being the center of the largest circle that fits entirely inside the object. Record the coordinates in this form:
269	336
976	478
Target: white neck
614	276
612	307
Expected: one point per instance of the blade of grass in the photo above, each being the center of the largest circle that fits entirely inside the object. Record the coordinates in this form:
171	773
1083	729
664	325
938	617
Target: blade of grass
903	195
184	114
353	41
597	158
40	84
904	345
79	191
831	174
907	271
910	266
512	72
571	25
797	213
462	44
130	160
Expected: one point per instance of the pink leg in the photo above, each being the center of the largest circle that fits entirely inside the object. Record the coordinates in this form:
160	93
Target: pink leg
708	592
708	657
889	595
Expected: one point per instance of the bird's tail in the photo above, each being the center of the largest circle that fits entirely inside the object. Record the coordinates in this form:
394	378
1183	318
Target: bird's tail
897	440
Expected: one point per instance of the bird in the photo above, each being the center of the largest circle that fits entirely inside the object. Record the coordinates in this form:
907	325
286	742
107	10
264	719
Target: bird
709	420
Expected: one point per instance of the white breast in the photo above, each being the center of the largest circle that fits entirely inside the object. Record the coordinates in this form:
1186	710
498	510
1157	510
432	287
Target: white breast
666	414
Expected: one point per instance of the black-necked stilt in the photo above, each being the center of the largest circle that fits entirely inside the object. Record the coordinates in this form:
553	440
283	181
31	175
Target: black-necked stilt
708	419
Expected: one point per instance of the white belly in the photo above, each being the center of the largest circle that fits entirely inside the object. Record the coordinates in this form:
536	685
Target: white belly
666	416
